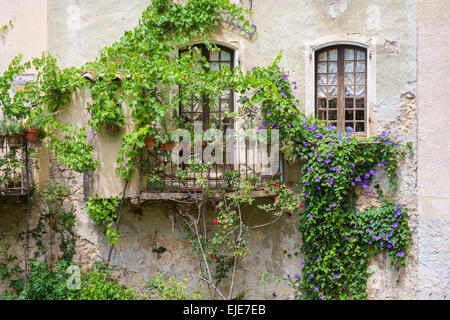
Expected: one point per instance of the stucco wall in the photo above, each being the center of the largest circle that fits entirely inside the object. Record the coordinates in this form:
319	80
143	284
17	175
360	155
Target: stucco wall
434	150
77	29
29	32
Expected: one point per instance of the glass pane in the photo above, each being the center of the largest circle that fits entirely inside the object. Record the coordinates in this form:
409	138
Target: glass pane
349	103
226	94
322	67
349	66
360	91
322	79
214	56
322	115
360	115
360	103
214	66
197	107
332	55
323	56
333	115
332	79
349	54
214	107
360	55
349	91
226	64
224	55
225	107
322	91
360	127
349	127
323	103
349	115
360	66
332	67
361	78
349	78
332	103
332	91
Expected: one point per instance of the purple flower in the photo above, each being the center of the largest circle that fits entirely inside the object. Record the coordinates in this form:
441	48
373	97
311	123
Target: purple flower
336	276
297	276
368	230
306	183
352	183
283	95
334	204
310	168
311	216
318	178
398	207
328	209
327	161
346	237
374	236
309	276
395	225
319	159
373	172
367	176
401	254
358	179
285	76
316	288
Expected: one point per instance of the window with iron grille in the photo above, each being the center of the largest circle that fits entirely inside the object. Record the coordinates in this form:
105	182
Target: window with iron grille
341	87
212	113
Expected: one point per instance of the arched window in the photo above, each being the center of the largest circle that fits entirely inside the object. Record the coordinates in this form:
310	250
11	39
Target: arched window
341	87
211	112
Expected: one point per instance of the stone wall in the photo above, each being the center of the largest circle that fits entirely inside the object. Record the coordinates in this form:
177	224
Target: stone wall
78	29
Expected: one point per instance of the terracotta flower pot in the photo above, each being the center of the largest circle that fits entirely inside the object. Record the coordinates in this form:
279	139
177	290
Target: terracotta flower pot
167	146
112	128
15	139
31	135
150	142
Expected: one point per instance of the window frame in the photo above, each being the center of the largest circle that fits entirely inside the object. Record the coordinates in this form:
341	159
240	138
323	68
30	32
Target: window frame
340	120
205	103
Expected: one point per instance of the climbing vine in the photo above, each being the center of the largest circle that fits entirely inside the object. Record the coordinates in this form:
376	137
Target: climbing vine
141	73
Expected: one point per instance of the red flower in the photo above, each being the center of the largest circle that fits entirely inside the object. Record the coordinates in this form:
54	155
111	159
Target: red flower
288	187
184	76
216	222
301	205
276	198
213	256
277	185
220	73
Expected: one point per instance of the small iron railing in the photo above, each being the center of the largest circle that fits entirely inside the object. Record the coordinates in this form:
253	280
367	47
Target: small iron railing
15	173
159	174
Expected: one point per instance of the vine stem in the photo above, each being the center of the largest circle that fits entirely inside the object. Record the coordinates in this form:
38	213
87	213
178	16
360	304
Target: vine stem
25	240
118	218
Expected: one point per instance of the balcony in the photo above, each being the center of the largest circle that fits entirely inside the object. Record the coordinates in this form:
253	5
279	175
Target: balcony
15	173
161	178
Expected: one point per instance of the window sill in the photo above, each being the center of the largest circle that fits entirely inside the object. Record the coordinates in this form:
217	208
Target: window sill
180	196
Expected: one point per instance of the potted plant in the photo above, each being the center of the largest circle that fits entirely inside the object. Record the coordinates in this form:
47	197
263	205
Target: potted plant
165	138
3	132
35	125
150	139
15	131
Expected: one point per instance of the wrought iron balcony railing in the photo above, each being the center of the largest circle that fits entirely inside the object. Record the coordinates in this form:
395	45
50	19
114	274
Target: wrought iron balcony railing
159	174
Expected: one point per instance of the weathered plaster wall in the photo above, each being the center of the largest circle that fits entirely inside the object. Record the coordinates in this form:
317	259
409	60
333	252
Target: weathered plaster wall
77	29
434	150
29	33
